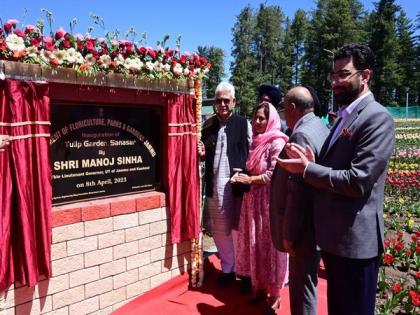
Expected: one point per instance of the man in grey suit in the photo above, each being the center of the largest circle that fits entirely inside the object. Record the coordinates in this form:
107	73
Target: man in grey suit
349	177
296	233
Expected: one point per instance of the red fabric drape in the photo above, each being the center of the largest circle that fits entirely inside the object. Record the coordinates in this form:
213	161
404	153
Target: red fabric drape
25	183
183	177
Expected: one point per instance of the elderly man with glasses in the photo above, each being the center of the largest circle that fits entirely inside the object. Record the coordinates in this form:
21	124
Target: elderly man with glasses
225	141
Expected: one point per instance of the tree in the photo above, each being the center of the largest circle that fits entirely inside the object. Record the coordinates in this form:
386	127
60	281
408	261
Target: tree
216	57
243	63
298	29
333	24
257	54
407	60
384	43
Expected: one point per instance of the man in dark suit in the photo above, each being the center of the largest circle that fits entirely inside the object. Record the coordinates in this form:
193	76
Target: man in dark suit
350	177
296	233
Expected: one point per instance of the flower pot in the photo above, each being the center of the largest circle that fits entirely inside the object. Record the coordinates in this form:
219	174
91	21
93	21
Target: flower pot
62	75
22	71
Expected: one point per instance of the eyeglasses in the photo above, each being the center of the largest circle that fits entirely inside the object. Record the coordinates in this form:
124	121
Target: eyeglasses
343	75
220	101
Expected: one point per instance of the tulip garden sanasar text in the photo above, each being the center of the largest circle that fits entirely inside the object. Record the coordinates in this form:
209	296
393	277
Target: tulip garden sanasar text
399	278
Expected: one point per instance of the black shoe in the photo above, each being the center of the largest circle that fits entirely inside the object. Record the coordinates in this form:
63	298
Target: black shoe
225	279
246	285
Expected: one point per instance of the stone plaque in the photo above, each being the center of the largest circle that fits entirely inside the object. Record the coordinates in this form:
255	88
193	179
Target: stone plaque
102	151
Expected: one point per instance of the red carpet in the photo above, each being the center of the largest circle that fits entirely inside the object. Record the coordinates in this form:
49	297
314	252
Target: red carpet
175	297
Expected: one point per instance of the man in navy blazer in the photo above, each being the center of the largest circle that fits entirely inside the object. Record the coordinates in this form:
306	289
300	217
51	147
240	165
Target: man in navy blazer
349	179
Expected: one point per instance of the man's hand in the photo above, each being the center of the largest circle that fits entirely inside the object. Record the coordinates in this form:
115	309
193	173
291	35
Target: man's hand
288	247
201	150
299	158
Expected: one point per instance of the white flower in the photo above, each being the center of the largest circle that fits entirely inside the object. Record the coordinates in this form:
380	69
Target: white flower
177	69
71	55
79	58
133	64
186	71
119	60
47	55
167	67
90	59
149	65
59	55
105	61
31	51
206	70
15	43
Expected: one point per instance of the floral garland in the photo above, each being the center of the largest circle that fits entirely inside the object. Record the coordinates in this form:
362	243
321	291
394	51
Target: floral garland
92	55
197	268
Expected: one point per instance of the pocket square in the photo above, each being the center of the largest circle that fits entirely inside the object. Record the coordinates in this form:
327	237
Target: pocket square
346	132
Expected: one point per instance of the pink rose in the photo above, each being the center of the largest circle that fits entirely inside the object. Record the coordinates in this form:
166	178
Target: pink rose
29	29
152	53
60	33
10	24
19	33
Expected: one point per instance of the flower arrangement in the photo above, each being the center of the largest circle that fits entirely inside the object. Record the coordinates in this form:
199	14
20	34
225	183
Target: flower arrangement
90	55
399	278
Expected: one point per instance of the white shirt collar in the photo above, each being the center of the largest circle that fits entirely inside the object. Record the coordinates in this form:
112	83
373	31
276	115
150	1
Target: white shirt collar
346	111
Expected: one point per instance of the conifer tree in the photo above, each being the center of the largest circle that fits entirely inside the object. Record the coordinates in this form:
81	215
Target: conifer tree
244	63
298	29
215	56
333	24
387	74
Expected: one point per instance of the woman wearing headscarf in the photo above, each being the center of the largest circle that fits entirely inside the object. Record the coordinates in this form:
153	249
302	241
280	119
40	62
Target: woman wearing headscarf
256	255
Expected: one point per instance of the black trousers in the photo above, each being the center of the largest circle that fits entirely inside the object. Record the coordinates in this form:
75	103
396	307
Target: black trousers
351	284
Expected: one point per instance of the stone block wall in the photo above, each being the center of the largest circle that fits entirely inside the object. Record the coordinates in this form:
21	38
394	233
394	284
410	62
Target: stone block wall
104	254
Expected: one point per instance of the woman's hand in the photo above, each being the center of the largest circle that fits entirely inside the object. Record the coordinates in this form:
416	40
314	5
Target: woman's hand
241	178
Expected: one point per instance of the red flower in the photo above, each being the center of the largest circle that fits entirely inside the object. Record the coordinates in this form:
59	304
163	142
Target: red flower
19	33
418	274
415	299
388	259
60	33
203	60
399	235
399	246
152	53
48	42
386	243
54	62
183	60
29	29
397	287
66	44
142	50
90	44
35	41
10	24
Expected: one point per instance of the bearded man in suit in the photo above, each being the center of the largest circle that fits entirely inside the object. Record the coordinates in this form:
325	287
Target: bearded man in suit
349	179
